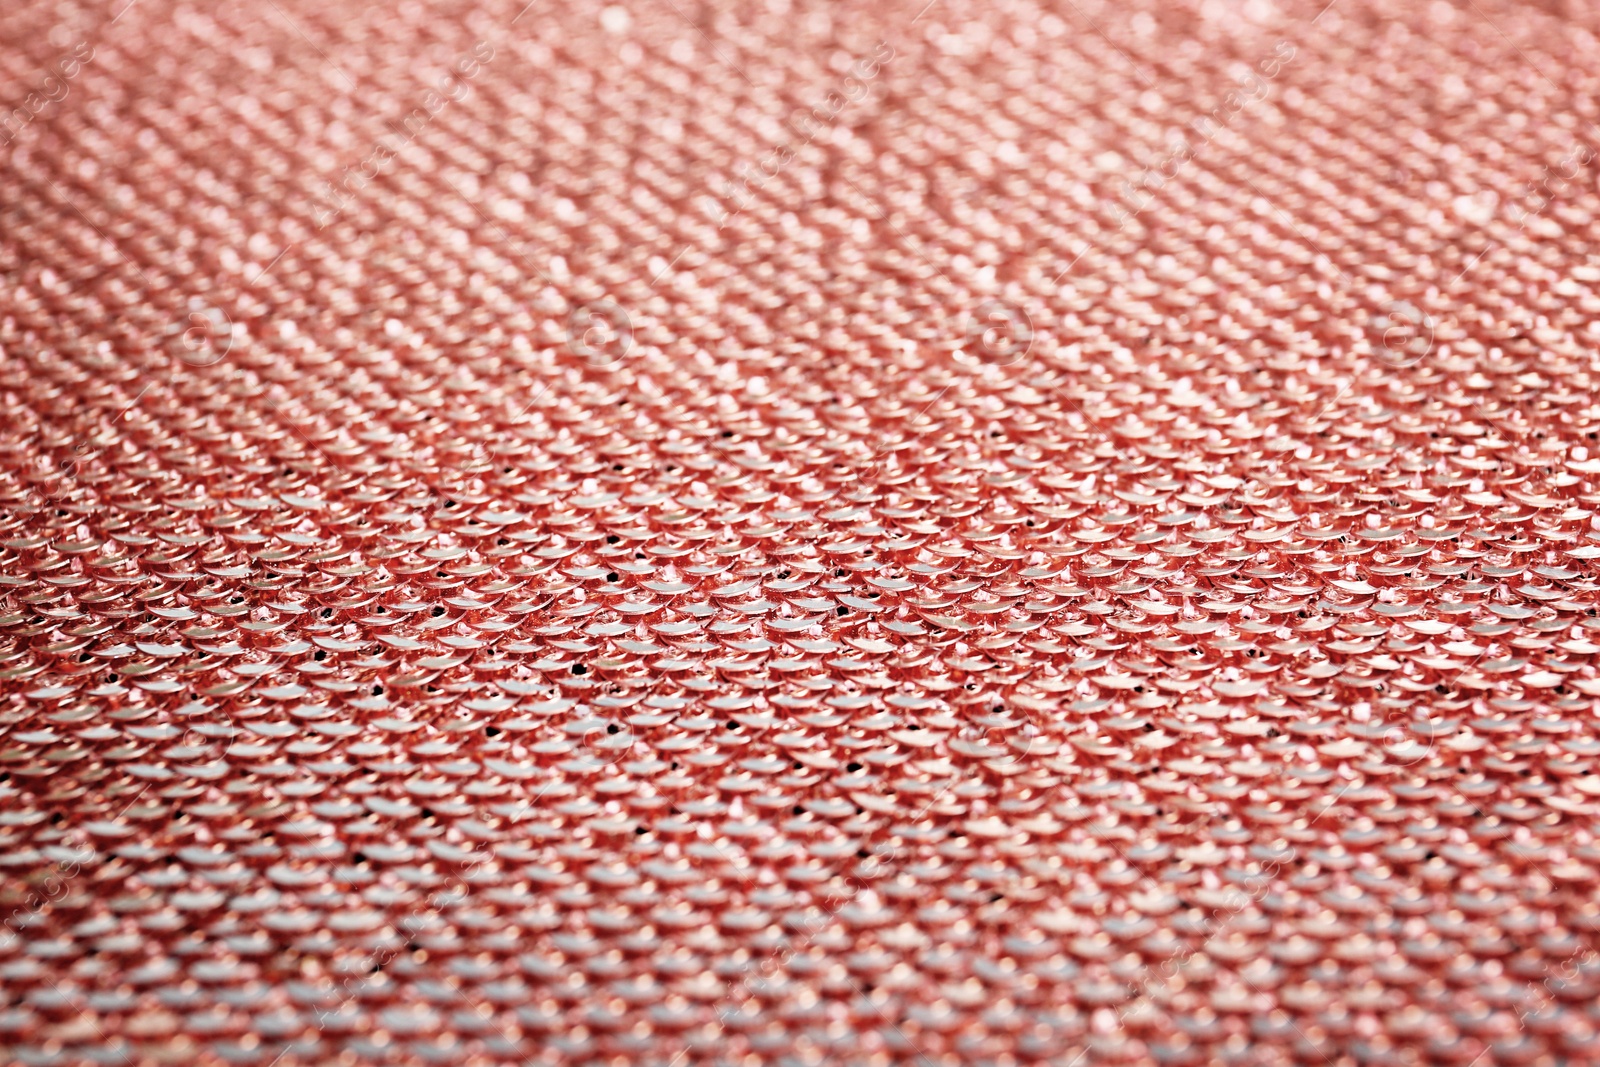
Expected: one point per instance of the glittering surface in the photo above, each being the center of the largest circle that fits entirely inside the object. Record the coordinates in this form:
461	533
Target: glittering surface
806	533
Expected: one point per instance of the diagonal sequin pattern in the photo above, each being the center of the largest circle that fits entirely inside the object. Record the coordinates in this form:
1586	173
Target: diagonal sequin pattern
692	532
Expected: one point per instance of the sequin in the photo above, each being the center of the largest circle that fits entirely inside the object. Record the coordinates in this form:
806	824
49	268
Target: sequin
865	533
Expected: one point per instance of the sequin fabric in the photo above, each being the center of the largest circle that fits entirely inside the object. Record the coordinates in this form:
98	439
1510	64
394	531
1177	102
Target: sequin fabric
678	533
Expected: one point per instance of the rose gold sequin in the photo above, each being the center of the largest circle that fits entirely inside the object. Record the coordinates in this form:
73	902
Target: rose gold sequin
791	533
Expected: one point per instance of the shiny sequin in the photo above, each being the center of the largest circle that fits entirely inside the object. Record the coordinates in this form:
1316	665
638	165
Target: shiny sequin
790	533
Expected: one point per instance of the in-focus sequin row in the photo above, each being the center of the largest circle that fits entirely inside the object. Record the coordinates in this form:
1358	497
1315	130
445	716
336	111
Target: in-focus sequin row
798	533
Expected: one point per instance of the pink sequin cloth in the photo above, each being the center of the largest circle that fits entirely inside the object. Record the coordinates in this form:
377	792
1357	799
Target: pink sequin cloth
692	532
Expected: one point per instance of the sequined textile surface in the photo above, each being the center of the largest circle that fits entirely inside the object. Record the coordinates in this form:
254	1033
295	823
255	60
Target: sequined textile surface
679	532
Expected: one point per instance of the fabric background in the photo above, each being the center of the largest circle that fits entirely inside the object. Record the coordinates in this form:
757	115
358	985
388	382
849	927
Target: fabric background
1022	532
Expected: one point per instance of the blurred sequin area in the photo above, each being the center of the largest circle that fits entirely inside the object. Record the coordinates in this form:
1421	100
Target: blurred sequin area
1032	532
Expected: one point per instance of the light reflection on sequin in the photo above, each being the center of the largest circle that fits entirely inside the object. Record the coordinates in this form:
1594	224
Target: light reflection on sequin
544	615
